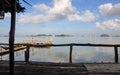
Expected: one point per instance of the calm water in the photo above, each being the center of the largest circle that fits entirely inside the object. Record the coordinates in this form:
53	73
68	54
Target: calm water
61	54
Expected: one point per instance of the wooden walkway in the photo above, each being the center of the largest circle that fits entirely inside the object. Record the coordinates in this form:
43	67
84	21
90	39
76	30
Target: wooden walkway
2	52
40	68
35	42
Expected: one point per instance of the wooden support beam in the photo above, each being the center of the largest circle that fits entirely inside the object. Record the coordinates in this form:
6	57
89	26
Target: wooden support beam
70	55
12	36
27	53
116	54
74	44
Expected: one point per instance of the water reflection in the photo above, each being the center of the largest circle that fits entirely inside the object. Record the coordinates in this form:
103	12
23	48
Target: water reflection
49	55
91	54
61	54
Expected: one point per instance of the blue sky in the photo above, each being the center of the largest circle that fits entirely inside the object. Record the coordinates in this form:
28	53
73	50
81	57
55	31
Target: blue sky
75	17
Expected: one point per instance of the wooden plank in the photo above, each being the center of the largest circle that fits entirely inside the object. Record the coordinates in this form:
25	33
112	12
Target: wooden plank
2	52
47	69
103	69
74	44
39	68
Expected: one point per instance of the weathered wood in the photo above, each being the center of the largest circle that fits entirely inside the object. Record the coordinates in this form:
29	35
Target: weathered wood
39	68
12	36
27	53
3	52
32	68
116	54
70	55
74	44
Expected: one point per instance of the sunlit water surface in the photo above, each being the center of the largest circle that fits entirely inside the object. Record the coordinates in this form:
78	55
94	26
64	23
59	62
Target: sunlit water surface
61	54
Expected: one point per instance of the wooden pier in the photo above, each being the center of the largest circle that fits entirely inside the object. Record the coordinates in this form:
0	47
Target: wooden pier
3	52
35	42
23	46
28	68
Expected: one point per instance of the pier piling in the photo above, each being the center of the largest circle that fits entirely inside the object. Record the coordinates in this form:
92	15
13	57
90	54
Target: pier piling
27	53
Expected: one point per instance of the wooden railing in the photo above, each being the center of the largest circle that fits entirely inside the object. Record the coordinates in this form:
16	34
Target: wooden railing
115	46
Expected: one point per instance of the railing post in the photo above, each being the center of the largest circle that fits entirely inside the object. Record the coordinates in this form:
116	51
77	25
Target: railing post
70	55
27	53
116	54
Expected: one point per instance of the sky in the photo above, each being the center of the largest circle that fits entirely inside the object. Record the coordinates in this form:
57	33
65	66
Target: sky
74	17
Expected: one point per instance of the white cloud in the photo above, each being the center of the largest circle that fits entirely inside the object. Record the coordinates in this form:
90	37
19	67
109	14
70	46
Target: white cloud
61	9
7	15
109	9
87	17
41	7
111	24
28	18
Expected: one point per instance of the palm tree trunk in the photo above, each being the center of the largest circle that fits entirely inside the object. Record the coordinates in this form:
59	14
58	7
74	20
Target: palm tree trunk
12	36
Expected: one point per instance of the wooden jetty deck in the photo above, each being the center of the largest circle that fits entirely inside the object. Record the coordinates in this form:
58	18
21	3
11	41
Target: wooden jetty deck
47	68
35	42
2	52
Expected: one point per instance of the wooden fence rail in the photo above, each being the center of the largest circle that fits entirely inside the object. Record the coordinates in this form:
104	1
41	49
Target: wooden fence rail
115	46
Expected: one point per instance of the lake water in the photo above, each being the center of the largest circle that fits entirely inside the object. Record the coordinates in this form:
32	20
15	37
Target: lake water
61	54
